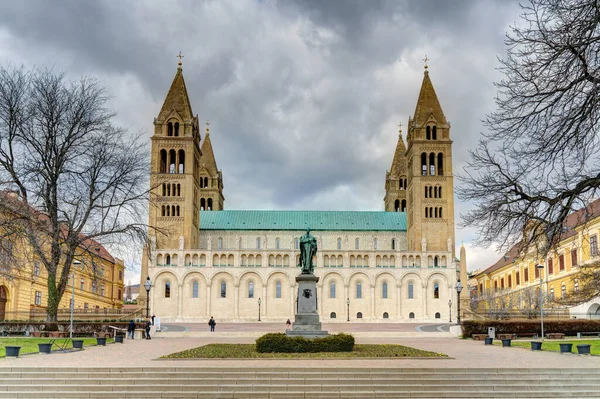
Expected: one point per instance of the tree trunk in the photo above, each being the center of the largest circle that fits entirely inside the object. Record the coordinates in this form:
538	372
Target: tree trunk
54	296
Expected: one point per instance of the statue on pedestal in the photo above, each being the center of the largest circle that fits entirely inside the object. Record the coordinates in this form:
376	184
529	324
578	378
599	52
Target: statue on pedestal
308	249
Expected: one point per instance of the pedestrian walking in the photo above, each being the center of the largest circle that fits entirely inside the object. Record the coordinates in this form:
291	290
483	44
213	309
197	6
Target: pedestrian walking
212	323
148	324
288	324
131	329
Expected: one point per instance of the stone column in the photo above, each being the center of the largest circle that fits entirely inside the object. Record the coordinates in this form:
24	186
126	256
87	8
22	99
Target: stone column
399	314
347	296
263	308
180	301
236	296
208	287
372	302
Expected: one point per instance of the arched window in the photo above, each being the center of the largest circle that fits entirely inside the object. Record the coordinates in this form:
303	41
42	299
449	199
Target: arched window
386	315
432	164
436	291
251	289
220	243
163	161
257	242
205	182
168	259
440	192
375	243
201	182
411	292
195	289
428	132
401	184
178	214
202	204
179	190
356	243
411	315
424	164
358	290
170	129
176	129
332	290
440	212
440	164
403	207
426	212
397	206
223	289
172	161
426	192
181	166
359	315
163	213
436	212
434	133
277	243
384	290
339	243
278	289
430	191
563	291
164	190
437	315
332	315
393	243
167	289
209	204
435	261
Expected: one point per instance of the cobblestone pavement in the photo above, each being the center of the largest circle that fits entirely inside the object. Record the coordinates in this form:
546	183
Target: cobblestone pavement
463	353
331	327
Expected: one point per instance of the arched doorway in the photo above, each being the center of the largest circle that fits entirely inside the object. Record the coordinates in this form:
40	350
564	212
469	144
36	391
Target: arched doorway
3	299
593	312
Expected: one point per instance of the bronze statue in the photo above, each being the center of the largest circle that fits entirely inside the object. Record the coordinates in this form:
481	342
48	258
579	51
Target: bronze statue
308	249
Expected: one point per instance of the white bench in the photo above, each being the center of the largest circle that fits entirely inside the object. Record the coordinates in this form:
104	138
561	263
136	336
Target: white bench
579	334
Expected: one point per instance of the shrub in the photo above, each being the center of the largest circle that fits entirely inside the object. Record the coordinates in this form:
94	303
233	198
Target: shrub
567	327
281	343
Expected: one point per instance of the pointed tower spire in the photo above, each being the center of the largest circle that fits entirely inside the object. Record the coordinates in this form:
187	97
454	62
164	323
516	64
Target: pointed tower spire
177	99
396	179
399	162
428	104
211	178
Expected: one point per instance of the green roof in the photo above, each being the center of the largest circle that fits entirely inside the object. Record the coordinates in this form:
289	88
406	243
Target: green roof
300	220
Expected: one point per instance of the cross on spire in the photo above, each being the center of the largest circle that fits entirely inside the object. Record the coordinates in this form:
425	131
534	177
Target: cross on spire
400	127
207	126
180	57
425	60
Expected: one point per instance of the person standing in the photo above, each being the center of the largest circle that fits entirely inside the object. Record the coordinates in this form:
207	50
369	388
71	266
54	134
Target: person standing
148	324
212	323
131	329
288	324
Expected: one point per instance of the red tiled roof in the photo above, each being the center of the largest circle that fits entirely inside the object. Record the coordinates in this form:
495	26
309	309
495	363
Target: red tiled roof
571	223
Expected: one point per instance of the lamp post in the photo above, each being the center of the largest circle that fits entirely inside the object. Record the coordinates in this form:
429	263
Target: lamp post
75	263
147	286
540	268
348	313
450	310
459	288
259	302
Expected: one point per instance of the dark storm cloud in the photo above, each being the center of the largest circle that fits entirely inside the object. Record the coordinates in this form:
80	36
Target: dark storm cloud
303	97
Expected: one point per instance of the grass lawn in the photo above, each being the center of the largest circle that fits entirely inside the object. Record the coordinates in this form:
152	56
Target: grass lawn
30	345
240	351
552	345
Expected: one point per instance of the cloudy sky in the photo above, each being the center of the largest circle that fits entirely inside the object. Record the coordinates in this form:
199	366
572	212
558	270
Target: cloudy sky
291	88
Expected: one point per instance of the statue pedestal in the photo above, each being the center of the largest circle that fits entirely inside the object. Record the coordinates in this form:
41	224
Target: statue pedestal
307	323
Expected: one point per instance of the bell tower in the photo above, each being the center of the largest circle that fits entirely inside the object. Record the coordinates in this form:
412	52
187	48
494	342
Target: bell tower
174	176
211	178
430	210
396	181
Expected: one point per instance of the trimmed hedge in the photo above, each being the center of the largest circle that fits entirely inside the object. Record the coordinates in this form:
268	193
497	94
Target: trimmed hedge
79	327
281	343
567	327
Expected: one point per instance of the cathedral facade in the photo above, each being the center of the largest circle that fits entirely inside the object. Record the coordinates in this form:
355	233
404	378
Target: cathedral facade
236	265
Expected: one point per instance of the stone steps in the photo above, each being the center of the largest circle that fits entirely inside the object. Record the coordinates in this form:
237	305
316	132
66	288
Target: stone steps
295	383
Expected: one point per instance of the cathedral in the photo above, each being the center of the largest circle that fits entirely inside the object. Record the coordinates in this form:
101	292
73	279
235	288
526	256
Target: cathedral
237	265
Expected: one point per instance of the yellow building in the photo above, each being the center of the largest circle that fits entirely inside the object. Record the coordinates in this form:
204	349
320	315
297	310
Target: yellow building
24	285
512	284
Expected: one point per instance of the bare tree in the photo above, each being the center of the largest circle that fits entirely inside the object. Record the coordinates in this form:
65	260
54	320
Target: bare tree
75	176
530	302
539	159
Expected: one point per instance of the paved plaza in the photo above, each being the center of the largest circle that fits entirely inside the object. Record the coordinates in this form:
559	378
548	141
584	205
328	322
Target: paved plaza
463	353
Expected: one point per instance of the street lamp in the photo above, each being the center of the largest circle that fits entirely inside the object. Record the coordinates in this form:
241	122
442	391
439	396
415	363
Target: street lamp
75	263
147	286
541	267
259	302
459	288
348	304
450	310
